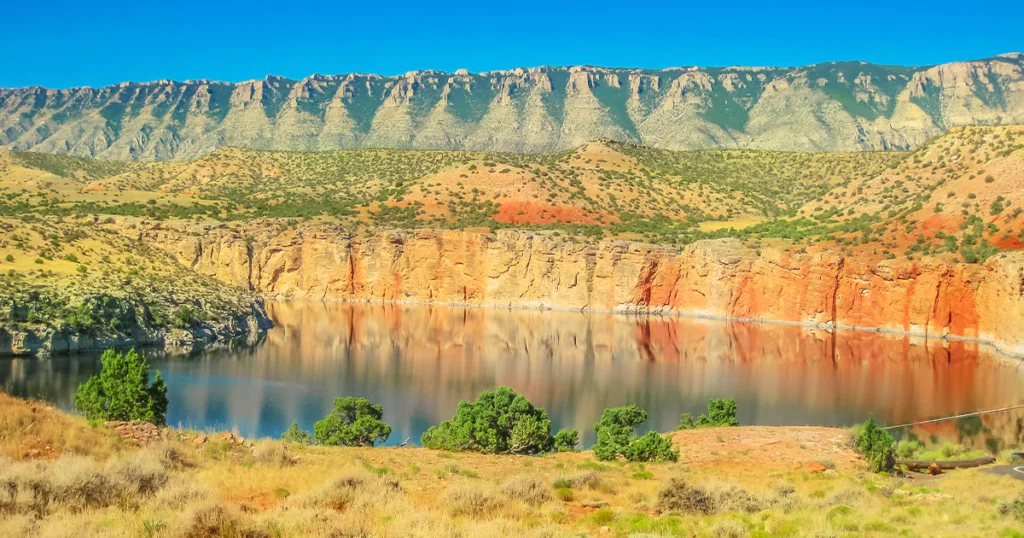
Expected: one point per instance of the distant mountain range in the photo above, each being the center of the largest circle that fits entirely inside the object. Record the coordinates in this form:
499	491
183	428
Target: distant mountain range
839	106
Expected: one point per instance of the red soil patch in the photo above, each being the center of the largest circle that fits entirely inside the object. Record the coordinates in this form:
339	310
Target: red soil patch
939	221
533	213
1010	243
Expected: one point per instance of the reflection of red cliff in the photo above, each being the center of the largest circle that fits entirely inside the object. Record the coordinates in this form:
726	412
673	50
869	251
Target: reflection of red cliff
714	278
435	356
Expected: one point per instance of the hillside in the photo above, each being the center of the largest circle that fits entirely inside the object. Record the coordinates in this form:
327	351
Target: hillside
920	242
63	477
959	192
70	285
838	106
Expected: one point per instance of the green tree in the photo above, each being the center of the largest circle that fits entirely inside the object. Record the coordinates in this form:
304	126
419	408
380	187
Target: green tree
122	391
499	422
721	412
615	430
651	446
295	434
567	440
876	445
353	422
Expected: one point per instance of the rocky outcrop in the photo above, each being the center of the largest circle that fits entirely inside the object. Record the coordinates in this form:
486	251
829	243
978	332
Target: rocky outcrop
836	106
19	337
719	278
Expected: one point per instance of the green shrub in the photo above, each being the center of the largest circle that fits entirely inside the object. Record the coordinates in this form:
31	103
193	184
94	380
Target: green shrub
651	446
567	440
564	494
297	435
498	422
184	317
615	430
122	391
353	422
616	436
876	445
721	412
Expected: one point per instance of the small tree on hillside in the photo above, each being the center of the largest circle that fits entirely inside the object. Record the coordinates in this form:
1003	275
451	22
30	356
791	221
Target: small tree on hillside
567	440
352	422
721	412
616	437
122	391
297	435
876	445
498	422
615	430
651	446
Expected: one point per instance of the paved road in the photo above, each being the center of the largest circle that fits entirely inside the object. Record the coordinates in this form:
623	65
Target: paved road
1016	471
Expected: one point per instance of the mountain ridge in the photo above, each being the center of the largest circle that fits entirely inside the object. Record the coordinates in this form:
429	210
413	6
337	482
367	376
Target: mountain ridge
833	106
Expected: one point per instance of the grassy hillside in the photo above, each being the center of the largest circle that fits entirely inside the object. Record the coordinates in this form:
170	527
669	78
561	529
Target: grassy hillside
80	283
956	196
67	478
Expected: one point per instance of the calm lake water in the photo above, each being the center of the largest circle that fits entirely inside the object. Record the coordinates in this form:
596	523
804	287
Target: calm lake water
419	361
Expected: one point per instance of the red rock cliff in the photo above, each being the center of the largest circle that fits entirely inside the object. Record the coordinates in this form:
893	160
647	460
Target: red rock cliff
719	278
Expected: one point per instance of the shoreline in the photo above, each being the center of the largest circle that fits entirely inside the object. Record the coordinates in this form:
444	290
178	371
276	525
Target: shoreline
833	329
827	327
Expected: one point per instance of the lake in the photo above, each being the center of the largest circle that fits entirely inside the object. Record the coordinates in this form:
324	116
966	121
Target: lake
419	361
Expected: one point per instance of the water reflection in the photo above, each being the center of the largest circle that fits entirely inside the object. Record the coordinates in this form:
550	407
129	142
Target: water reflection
419	361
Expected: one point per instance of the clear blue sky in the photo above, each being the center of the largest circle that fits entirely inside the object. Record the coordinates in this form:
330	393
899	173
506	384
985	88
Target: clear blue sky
62	43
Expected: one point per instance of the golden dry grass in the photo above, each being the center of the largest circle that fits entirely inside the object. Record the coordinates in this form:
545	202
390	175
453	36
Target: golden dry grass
728	482
34	430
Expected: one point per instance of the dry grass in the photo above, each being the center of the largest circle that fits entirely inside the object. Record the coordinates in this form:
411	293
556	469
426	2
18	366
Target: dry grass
175	490
38	431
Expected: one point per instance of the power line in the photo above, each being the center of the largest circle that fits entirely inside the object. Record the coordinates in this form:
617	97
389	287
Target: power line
943	419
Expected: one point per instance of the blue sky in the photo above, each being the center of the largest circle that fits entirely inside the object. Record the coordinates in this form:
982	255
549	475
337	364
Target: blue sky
62	43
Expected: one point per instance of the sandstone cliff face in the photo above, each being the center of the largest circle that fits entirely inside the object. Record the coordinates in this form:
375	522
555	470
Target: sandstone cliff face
523	269
837	106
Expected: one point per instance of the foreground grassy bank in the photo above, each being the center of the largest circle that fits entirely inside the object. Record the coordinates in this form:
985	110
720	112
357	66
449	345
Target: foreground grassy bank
63	477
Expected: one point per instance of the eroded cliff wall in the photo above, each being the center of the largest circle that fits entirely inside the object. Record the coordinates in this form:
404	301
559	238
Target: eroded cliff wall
721	278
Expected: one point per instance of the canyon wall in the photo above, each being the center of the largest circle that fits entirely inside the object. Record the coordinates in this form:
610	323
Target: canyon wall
720	278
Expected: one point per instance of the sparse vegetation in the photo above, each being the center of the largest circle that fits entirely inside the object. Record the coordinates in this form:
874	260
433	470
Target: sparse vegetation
273	488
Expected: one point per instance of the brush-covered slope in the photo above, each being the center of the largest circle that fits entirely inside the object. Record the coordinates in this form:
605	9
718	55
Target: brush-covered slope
601	187
81	285
909	241
958	194
839	106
